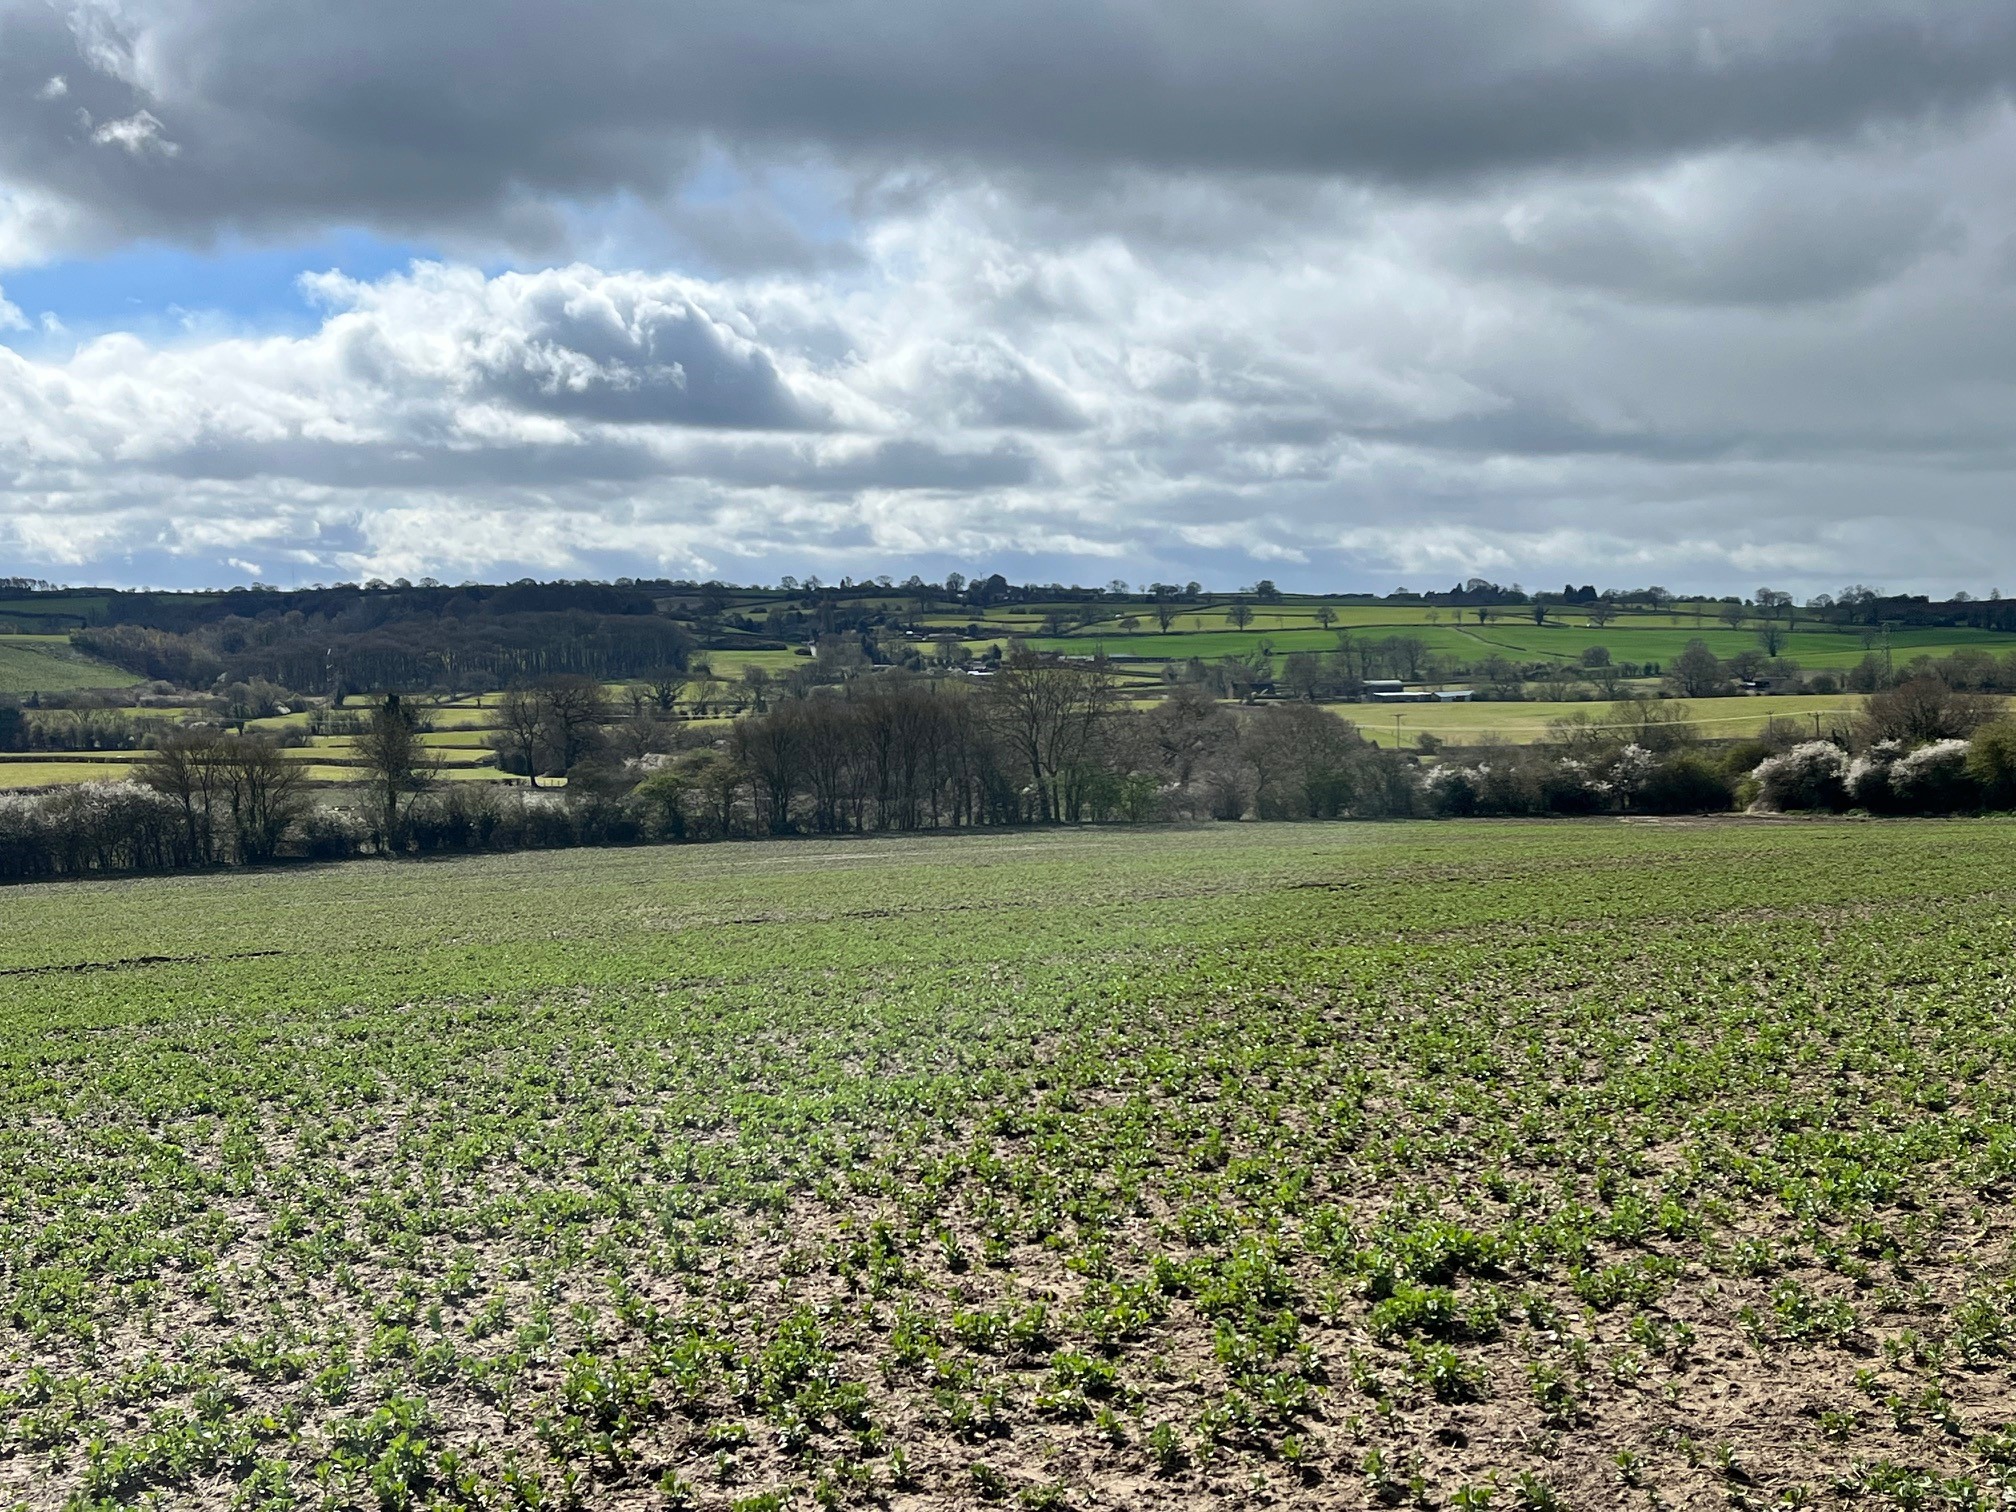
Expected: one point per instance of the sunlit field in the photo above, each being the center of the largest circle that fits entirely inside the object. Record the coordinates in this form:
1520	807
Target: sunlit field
47	664
1520	1165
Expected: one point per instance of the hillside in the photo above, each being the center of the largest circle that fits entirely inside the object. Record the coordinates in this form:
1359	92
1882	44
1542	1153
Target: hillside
49	664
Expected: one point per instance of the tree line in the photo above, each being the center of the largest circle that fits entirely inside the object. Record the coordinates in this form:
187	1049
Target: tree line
1042	740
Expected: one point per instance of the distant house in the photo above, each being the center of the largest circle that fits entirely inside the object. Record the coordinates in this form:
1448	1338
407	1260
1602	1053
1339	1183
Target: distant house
1422	695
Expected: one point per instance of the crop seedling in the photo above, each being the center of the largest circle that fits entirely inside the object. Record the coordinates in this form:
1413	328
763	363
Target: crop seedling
822	1173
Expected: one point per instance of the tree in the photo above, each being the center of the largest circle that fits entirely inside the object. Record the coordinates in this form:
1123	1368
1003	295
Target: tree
1735	614
1187	730
1049	712
1697	672
1601	613
667	683
266	792
1304	675
1650	723
1240	613
397	762
1303	760
773	751
1165	613
1771	636
520	721
1325	616
1991	760
573	711
1924	709
183	766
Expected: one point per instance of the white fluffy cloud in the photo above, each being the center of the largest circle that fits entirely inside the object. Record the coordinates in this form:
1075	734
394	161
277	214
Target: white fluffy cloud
1676	290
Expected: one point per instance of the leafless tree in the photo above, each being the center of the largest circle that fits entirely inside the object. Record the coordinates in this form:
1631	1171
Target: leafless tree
573	711
266	792
398	764
1925	709
1048	712
520	723
667	683
185	767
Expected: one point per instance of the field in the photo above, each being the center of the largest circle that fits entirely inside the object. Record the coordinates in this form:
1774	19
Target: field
47	664
1644	639
1464	724
1475	1164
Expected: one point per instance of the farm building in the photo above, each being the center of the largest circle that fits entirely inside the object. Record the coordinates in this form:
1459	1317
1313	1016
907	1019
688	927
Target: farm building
1399	694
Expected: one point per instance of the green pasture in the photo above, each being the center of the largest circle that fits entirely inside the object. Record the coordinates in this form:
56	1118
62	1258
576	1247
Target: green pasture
1454	1165
49	664
1519	642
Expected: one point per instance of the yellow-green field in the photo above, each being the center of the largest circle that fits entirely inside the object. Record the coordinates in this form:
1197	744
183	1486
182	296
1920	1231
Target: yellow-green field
1523	723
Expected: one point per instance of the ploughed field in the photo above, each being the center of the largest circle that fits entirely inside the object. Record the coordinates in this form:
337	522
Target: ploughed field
1475	1164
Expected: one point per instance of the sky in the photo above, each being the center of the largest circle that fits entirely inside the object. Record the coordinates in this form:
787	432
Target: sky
1352	296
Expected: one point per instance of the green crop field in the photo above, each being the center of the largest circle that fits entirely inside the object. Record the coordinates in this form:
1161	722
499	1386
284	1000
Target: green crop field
47	664
1650	639
1529	1166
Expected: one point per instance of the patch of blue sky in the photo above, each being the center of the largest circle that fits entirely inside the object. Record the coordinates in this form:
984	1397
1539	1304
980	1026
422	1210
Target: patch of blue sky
164	293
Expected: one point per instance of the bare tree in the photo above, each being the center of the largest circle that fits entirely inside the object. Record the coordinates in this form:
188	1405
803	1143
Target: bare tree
773	751
266	791
1165	613
667	683
398	763
1925	709
1697	672
1187	730
520	721
184	766
573	711
1325	616
1048	712
1240	613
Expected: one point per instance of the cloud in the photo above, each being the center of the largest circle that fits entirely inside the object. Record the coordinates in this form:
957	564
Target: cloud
453	116
1609	289
1353	402
137	134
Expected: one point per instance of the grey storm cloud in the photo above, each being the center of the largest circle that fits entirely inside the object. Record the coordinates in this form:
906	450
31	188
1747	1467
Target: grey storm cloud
1696	291
181	115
